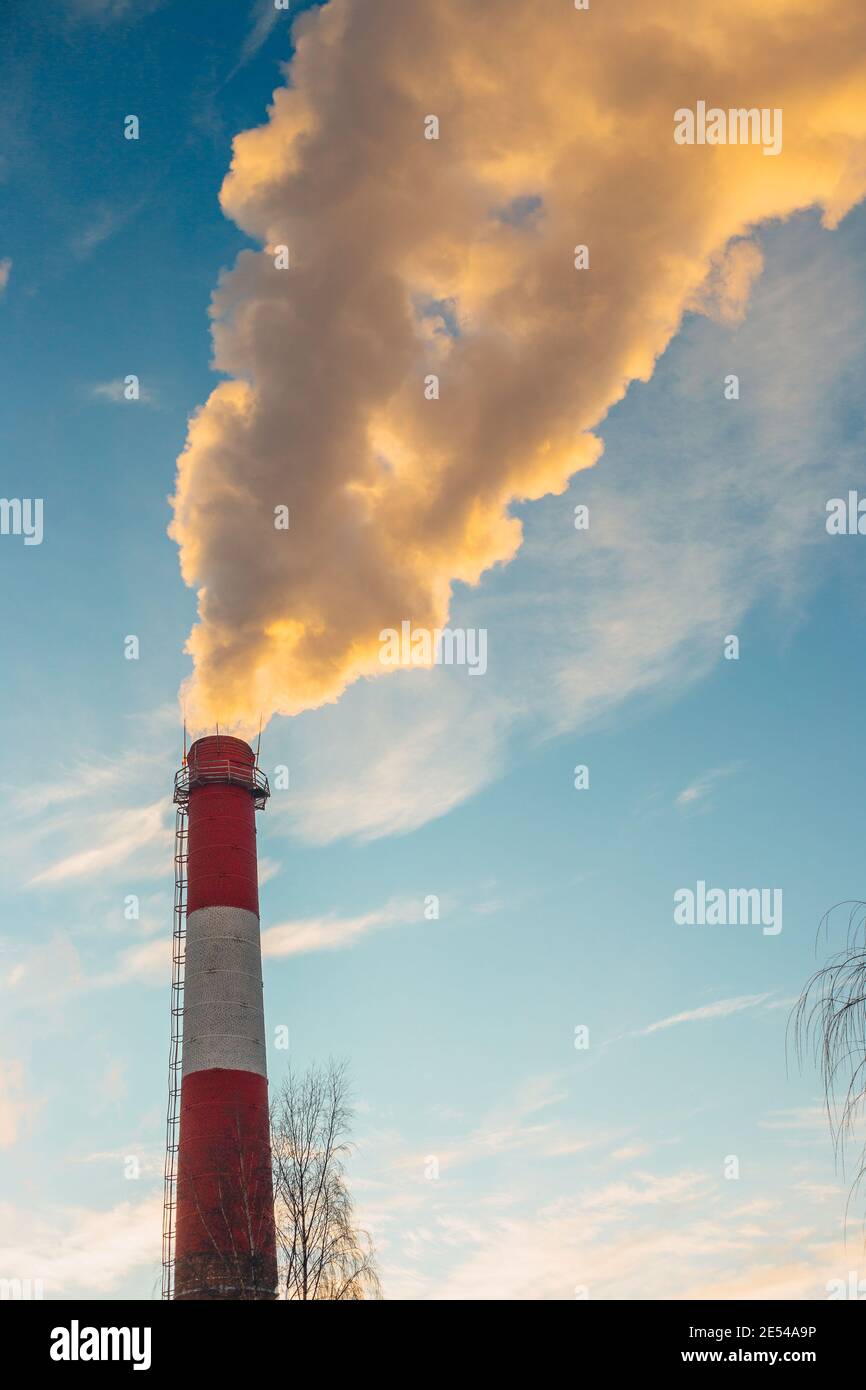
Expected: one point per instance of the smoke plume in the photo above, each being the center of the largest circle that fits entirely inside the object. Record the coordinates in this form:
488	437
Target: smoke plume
412	257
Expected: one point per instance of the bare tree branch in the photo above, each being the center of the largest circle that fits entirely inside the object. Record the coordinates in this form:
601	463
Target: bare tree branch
322	1254
828	1025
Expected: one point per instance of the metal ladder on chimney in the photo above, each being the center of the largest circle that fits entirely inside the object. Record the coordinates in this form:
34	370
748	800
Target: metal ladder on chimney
178	956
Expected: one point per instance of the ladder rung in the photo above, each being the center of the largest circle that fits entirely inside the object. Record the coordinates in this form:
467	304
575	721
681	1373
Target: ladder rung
181	860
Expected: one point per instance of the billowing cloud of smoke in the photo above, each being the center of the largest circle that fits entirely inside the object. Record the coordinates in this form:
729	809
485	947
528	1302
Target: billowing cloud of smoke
456	257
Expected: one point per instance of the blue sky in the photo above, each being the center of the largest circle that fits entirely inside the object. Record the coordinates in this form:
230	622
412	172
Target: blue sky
559	1168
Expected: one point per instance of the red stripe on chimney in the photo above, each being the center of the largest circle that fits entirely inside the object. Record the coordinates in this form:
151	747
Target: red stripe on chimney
223	870
225	1242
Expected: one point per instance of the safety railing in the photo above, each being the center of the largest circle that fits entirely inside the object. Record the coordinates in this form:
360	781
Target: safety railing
221	772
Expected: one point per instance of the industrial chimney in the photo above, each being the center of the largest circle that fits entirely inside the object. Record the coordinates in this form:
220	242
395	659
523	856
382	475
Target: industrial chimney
223	1230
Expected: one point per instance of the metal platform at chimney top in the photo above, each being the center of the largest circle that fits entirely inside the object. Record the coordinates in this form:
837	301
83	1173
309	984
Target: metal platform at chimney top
221	772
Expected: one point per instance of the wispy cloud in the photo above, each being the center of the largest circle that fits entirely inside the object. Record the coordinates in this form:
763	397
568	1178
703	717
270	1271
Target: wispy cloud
647	1189
148	963
151	1161
265	17
515	1127
5	272
808	1117
115	391
111	11
17	1105
393	757
721	1008
699	790
93	777
117	837
499	1222
97	817
630	1151
676	1232
43	974
669	1232
335	933
55	971
75	1249
103	224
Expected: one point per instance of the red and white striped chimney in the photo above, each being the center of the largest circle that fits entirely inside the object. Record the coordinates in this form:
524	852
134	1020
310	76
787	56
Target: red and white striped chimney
224	1241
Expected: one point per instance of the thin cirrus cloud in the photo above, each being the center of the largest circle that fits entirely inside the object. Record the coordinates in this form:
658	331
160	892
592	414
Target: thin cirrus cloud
519	1126
5	272
697	793
105	222
630	1151
390	759
117	837
335	933
801	1117
115	391
94	777
721	1008
97	819
265	16
101	227
406	496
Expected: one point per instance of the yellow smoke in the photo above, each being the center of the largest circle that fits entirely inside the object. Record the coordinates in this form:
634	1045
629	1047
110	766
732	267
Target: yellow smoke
410	257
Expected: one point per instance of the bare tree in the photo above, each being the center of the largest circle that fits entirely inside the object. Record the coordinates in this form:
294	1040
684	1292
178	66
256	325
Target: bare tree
829	1023
322	1253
